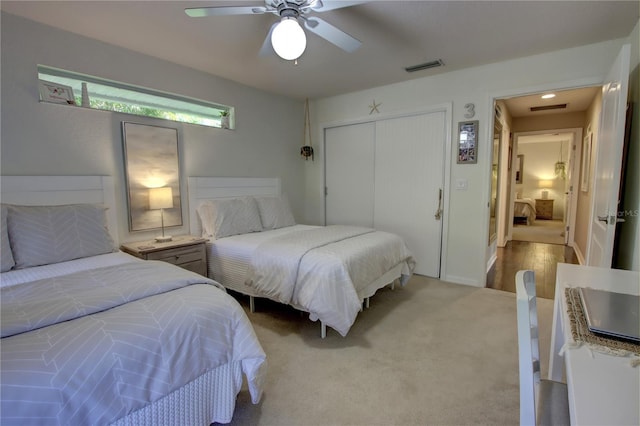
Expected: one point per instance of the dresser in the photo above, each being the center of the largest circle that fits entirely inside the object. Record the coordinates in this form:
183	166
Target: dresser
185	251
544	208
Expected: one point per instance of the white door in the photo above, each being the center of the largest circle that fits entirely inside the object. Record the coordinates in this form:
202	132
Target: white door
609	162
409	177
349	162
387	174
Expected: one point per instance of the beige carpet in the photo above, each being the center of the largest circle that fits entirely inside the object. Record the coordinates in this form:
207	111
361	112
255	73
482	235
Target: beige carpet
431	353
541	231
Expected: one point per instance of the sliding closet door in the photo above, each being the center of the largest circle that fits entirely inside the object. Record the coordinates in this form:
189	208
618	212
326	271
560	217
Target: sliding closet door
387	174
409	175
349	174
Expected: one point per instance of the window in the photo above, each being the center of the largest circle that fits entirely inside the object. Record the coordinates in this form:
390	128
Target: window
109	95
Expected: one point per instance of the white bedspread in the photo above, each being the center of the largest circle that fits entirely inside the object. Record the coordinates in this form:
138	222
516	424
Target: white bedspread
93	346
525	207
19	276
320	270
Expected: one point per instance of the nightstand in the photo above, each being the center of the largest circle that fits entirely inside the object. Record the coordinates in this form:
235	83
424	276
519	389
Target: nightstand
185	251
544	208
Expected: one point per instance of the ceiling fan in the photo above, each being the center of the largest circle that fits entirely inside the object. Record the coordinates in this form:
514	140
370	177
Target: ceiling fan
286	37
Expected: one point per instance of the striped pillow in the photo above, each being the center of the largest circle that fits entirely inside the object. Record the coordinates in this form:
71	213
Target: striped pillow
41	235
231	216
275	212
6	257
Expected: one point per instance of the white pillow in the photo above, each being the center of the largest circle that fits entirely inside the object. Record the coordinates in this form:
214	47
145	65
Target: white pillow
6	257
275	212
231	216
41	235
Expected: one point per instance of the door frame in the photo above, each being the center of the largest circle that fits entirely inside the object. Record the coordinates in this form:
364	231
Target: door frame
575	176
445	108
495	95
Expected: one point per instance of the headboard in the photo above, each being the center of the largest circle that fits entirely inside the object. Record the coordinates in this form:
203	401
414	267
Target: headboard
209	188
58	190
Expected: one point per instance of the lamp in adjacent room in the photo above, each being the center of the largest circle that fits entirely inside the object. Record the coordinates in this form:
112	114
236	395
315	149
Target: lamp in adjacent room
288	38
545	185
161	198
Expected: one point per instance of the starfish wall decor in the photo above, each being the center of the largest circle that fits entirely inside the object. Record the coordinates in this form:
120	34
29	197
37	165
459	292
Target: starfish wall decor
374	107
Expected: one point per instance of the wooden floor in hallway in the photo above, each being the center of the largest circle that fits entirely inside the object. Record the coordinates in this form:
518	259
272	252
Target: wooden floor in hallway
539	257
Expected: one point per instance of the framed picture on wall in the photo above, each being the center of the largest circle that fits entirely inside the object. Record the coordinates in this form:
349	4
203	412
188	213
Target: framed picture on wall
151	161
520	169
56	93
586	162
468	142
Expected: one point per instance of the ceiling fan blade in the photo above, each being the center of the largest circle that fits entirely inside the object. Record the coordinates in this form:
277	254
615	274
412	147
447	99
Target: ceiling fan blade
199	12
267	47
332	34
325	5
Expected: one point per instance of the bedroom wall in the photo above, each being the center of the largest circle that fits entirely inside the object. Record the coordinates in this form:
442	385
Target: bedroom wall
465	233
568	120
46	139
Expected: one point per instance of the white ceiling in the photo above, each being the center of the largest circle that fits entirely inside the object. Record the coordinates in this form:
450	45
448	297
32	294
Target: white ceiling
394	35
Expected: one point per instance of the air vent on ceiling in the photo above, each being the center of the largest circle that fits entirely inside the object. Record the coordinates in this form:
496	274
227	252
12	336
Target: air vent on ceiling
548	107
426	65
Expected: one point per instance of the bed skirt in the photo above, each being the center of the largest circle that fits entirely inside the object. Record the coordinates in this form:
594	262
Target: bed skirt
209	398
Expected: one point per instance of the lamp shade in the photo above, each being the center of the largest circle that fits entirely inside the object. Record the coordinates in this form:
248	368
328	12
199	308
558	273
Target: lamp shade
288	39
160	198
545	185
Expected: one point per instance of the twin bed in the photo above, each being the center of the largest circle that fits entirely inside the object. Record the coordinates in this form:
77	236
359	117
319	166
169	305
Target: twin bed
91	335
524	210
256	248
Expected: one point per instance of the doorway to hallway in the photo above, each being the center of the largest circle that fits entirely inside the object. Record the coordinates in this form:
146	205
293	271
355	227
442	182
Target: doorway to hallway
541	258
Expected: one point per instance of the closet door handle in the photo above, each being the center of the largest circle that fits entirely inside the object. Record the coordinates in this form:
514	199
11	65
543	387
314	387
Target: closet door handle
438	214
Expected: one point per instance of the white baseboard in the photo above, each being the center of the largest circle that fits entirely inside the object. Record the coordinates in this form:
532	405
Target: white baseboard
462	280
579	255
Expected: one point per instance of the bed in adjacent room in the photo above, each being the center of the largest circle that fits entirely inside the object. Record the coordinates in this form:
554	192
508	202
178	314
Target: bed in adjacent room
256	248
524	211
92	335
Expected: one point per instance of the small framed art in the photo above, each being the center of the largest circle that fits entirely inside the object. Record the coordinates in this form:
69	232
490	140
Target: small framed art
468	142
56	93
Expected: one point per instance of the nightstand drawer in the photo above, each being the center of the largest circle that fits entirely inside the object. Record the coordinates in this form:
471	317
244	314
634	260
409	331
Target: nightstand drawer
187	252
544	209
197	266
180	255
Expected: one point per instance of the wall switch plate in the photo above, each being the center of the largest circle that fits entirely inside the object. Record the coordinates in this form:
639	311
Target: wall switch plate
462	184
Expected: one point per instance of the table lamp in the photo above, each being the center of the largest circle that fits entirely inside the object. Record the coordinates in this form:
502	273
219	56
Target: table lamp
161	198
545	185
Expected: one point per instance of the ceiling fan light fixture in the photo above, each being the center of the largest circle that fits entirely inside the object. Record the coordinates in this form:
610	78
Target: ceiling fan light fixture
288	39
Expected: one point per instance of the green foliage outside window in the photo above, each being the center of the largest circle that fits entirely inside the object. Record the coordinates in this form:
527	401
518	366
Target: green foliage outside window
120	97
